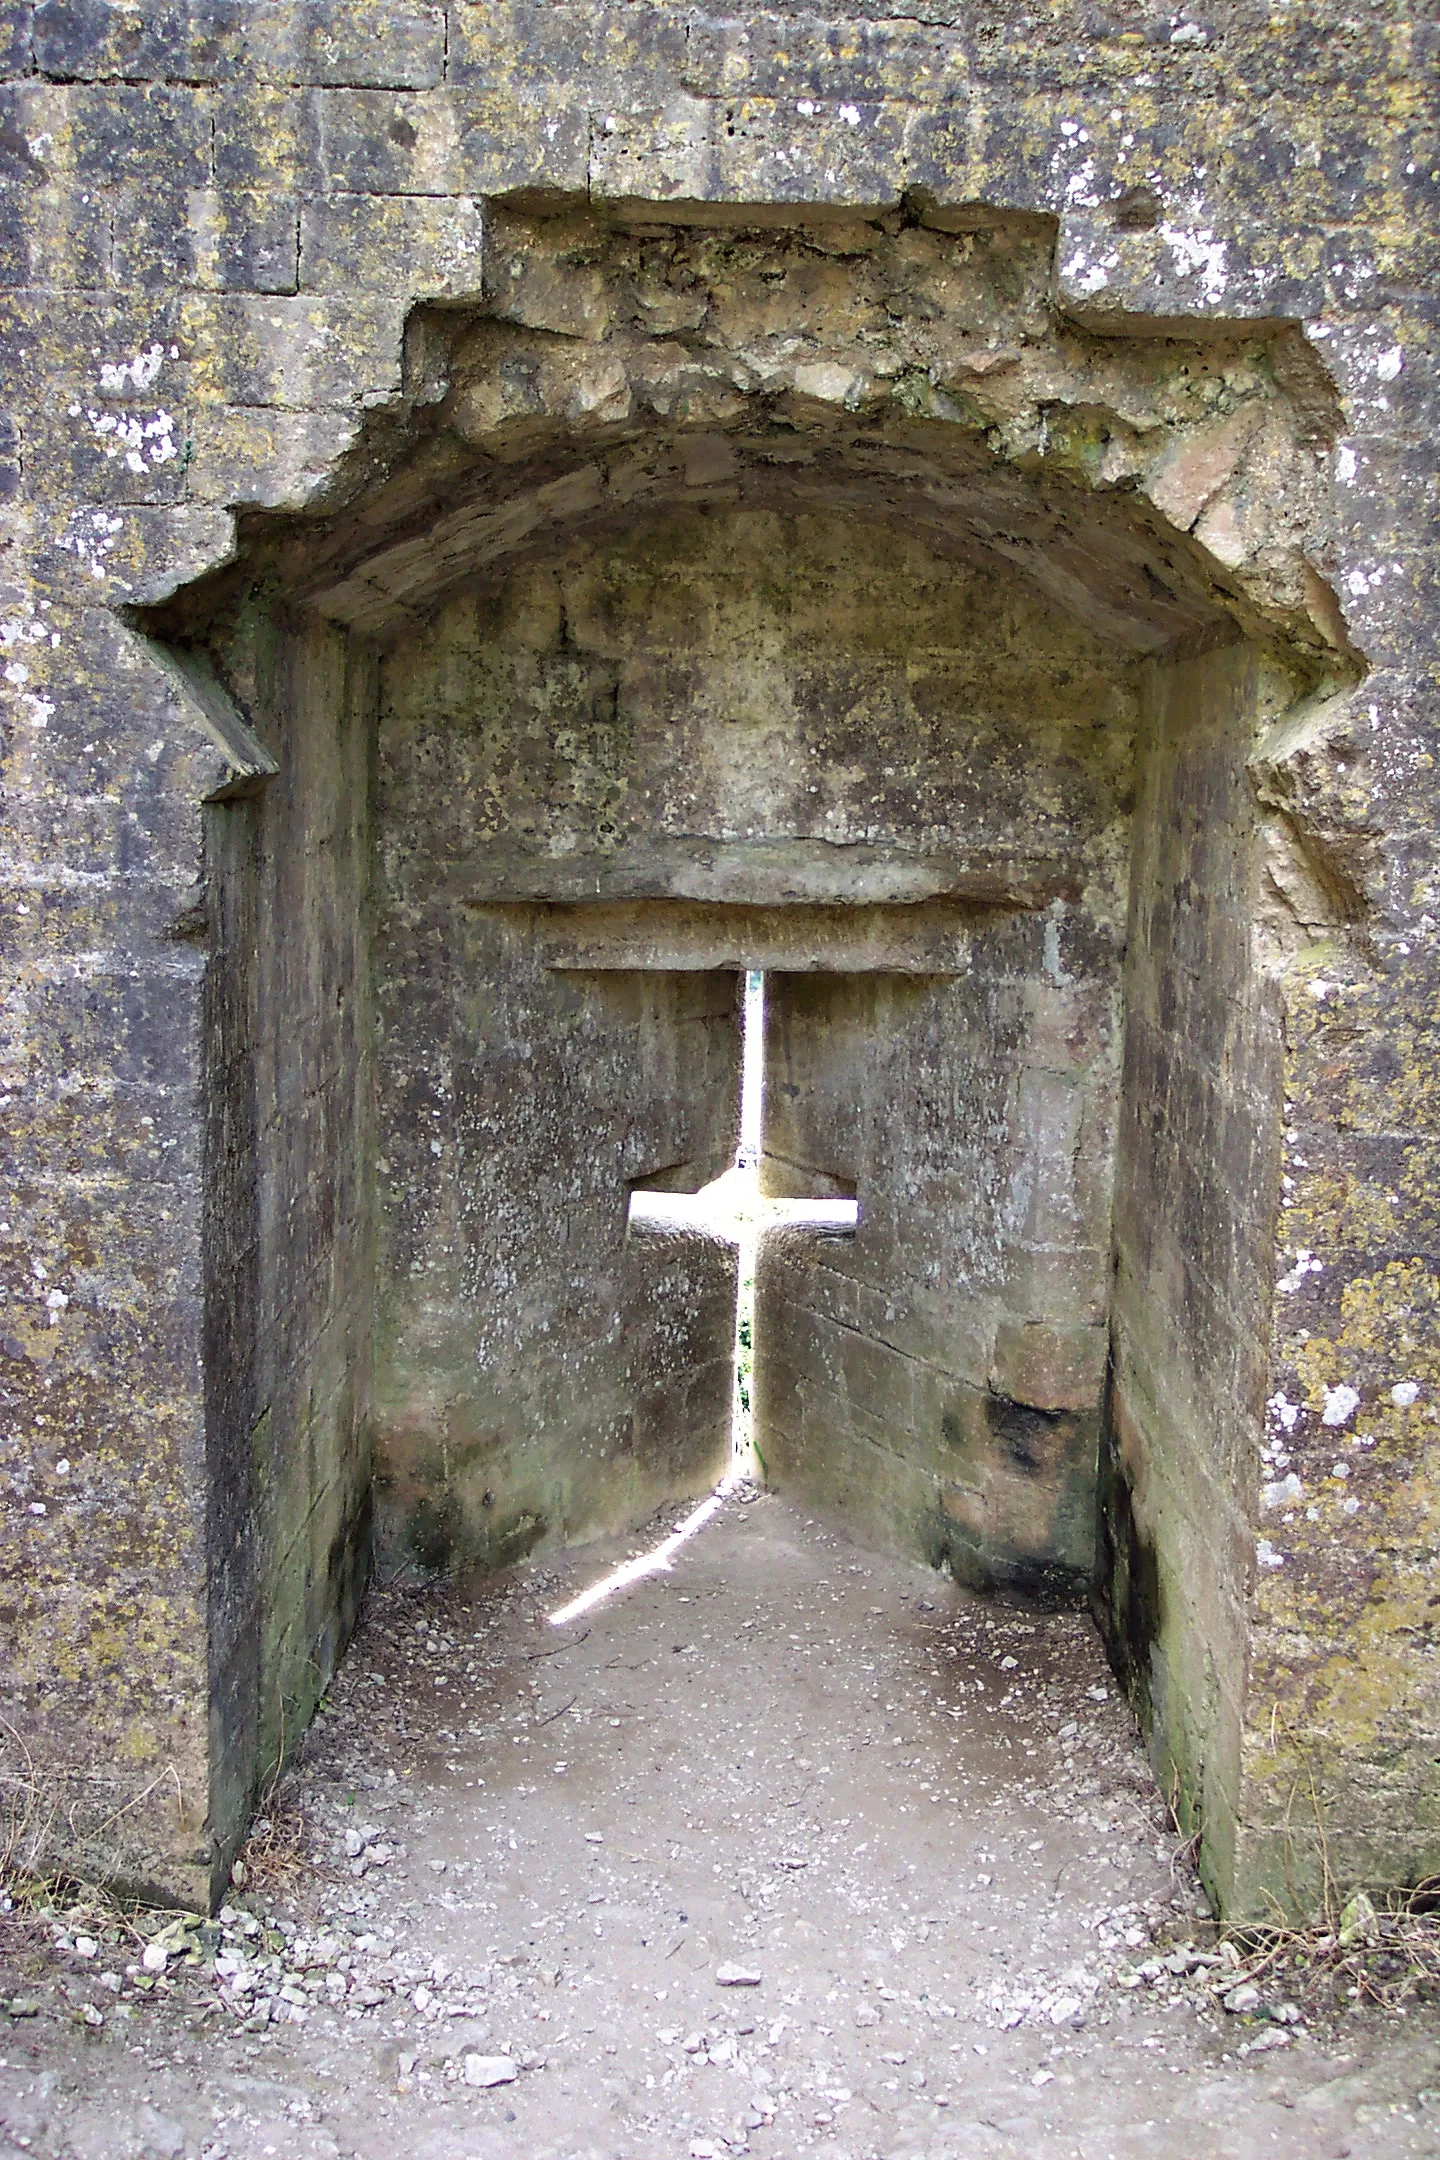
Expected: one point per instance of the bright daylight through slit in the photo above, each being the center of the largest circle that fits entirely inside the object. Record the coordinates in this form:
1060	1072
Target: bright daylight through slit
731	1206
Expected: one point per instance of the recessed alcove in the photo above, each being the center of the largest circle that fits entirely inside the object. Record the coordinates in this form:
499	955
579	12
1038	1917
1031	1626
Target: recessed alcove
706	608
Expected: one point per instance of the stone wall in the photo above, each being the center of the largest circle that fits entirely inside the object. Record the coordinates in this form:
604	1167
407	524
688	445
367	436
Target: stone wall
935	1380
106	1568
1197	1192
217	225
745	680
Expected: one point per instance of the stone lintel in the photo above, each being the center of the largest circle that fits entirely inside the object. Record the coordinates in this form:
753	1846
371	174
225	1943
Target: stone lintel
929	938
763	874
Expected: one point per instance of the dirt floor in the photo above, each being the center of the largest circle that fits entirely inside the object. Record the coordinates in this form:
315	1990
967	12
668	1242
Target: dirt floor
790	1849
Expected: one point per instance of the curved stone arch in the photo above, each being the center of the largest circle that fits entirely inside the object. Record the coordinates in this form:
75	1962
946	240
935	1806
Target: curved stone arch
915	365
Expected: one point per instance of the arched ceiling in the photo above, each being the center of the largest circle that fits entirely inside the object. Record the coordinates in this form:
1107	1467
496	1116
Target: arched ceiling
1168	494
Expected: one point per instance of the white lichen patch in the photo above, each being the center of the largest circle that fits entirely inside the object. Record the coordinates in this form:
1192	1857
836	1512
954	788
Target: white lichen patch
1281	1492
1285	1413
90	536
142	440
138	373
1198	252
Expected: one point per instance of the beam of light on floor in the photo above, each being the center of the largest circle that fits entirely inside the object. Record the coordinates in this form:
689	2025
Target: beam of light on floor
655	1562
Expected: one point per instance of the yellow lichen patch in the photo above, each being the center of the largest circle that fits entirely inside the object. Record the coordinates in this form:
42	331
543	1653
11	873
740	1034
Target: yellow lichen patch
1345	1676
1334	1208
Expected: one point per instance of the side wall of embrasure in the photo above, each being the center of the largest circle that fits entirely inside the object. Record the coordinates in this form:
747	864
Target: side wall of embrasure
211	246
1196	1198
288	1243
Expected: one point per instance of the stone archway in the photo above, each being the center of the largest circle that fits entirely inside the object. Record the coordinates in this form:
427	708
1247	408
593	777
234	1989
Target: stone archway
708	580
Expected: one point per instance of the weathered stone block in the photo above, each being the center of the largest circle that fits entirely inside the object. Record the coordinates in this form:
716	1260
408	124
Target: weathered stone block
245	243
15	36
299	351
108	451
275	459
694	150
48	237
776	56
222	40
428	246
1051	1368
567	46
154	135
266	137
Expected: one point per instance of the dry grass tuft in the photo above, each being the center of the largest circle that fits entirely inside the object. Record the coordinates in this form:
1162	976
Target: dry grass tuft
28	1811
1383	1951
273	1857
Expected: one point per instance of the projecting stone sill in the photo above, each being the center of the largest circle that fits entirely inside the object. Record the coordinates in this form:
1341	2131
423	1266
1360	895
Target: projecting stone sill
765	873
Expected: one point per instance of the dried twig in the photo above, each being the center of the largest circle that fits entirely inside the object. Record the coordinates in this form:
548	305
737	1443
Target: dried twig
551	1715
558	1649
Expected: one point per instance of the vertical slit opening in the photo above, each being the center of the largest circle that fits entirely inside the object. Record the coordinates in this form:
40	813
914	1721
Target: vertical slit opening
745	1459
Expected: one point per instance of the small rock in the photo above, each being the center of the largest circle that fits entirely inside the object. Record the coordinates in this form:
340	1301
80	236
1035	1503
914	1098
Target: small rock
491	2070
1241	1999
23	2006
736	1976
86	1946
1359	1922
154	1957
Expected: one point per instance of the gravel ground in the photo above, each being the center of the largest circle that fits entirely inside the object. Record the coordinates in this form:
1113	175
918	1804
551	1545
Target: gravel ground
788	1849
